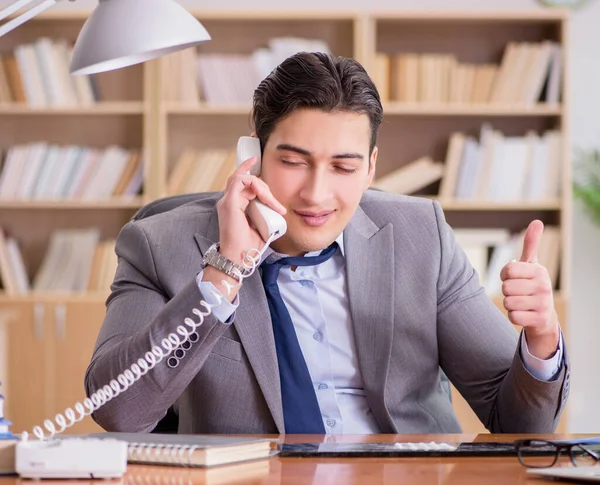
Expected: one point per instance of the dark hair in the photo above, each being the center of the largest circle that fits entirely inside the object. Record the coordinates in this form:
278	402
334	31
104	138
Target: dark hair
315	80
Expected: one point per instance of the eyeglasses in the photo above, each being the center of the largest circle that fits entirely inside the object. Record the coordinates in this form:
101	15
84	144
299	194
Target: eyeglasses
545	453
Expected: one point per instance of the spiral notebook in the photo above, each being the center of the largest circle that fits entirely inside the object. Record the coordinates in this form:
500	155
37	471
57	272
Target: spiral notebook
192	450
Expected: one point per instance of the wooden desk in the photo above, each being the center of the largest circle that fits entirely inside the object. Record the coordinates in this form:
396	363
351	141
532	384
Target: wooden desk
344	471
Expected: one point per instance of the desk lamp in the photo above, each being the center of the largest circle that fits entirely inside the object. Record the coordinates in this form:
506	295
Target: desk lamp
120	33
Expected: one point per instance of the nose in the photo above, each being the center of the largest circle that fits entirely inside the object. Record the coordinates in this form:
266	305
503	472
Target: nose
317	188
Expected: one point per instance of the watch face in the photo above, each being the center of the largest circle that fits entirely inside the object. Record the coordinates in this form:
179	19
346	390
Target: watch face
563	3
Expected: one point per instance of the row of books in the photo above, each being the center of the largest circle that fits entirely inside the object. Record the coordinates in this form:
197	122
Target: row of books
527	74
222	79
76	260
489	249
495	168
37	74
201	171
43	171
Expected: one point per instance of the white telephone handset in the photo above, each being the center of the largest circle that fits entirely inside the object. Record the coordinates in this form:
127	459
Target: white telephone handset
269	223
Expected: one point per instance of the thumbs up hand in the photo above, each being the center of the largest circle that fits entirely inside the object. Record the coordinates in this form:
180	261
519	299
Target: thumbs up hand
528	298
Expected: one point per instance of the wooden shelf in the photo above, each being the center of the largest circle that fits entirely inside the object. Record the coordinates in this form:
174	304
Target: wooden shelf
391	108
421	109
206	109
458	205
103	108
134	203
550	15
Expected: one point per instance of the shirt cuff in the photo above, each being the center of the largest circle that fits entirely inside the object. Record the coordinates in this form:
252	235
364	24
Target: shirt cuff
544	370
224	310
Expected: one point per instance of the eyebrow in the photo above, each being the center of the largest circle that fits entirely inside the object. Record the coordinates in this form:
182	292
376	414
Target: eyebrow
291	148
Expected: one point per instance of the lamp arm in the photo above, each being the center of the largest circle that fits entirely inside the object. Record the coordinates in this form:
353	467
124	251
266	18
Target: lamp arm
23	17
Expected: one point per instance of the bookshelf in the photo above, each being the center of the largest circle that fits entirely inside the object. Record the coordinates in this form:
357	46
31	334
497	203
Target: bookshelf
139	109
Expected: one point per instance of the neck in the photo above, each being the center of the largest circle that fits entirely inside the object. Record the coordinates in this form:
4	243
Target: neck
283	246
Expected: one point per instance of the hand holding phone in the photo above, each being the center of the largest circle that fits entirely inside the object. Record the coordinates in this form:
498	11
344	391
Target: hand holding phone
268	223
249	214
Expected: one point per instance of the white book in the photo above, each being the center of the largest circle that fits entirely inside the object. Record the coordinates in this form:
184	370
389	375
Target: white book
510	177
208	78
44	51
11	171
540	69
467	174
84	165
81	84
454	156
42	185
555	76
478	258
60	52
263	62
411	177
35	161
554	165
18	173
78	153
17	266
52	263
490	160
29	68
85	254
501	255
7	277
70	155
110	167
137	181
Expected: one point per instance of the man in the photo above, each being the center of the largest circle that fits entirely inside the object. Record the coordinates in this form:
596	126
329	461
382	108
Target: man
347	336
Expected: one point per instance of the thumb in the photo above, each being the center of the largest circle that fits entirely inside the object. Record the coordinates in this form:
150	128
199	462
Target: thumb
531	241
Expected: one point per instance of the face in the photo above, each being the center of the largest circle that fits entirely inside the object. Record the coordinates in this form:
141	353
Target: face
318	165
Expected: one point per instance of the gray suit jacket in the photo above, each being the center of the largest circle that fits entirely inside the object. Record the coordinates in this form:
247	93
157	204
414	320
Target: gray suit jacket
416	306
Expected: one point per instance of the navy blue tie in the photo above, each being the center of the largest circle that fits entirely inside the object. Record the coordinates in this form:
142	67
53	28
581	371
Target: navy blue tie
301	412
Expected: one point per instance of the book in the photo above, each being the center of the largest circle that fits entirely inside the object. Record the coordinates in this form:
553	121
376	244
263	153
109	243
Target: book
192	450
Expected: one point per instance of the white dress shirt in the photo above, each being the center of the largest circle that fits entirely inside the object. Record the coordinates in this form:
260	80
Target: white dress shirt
317	300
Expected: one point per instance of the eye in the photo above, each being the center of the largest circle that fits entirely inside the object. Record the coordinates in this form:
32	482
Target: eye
346	170
290	163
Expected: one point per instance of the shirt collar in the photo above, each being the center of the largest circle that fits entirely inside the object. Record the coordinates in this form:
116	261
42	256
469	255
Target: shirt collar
269	252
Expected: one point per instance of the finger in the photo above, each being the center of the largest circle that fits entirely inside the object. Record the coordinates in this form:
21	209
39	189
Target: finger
525	303
531	241
528	318
518	269
259	188
243	168
520	287
246	165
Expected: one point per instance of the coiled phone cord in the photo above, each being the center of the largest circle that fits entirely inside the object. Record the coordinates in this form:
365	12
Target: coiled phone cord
181	339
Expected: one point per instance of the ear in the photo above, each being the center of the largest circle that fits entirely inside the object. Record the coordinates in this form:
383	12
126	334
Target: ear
253	134
372	164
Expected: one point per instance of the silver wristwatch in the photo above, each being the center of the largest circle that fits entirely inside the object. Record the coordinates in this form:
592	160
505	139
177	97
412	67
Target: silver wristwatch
213	258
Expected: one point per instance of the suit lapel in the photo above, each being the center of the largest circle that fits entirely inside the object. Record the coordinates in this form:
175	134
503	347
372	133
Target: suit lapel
370	275
253	324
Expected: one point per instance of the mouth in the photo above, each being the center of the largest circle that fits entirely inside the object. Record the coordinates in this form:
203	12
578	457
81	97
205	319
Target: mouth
315	219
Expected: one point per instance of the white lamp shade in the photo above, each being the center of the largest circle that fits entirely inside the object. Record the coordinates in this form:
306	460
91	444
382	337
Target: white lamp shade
121	33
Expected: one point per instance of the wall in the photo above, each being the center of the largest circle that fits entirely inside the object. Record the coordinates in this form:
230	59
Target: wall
584	333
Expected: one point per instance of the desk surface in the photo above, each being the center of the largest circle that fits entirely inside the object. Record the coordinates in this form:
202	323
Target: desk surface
346	471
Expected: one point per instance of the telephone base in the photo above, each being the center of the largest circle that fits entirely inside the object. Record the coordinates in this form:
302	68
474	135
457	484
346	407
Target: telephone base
71	458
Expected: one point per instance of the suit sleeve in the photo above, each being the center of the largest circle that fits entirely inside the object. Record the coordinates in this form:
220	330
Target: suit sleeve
139	316
479	351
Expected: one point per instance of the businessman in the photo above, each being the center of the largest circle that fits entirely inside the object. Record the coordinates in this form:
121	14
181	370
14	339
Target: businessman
346	322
